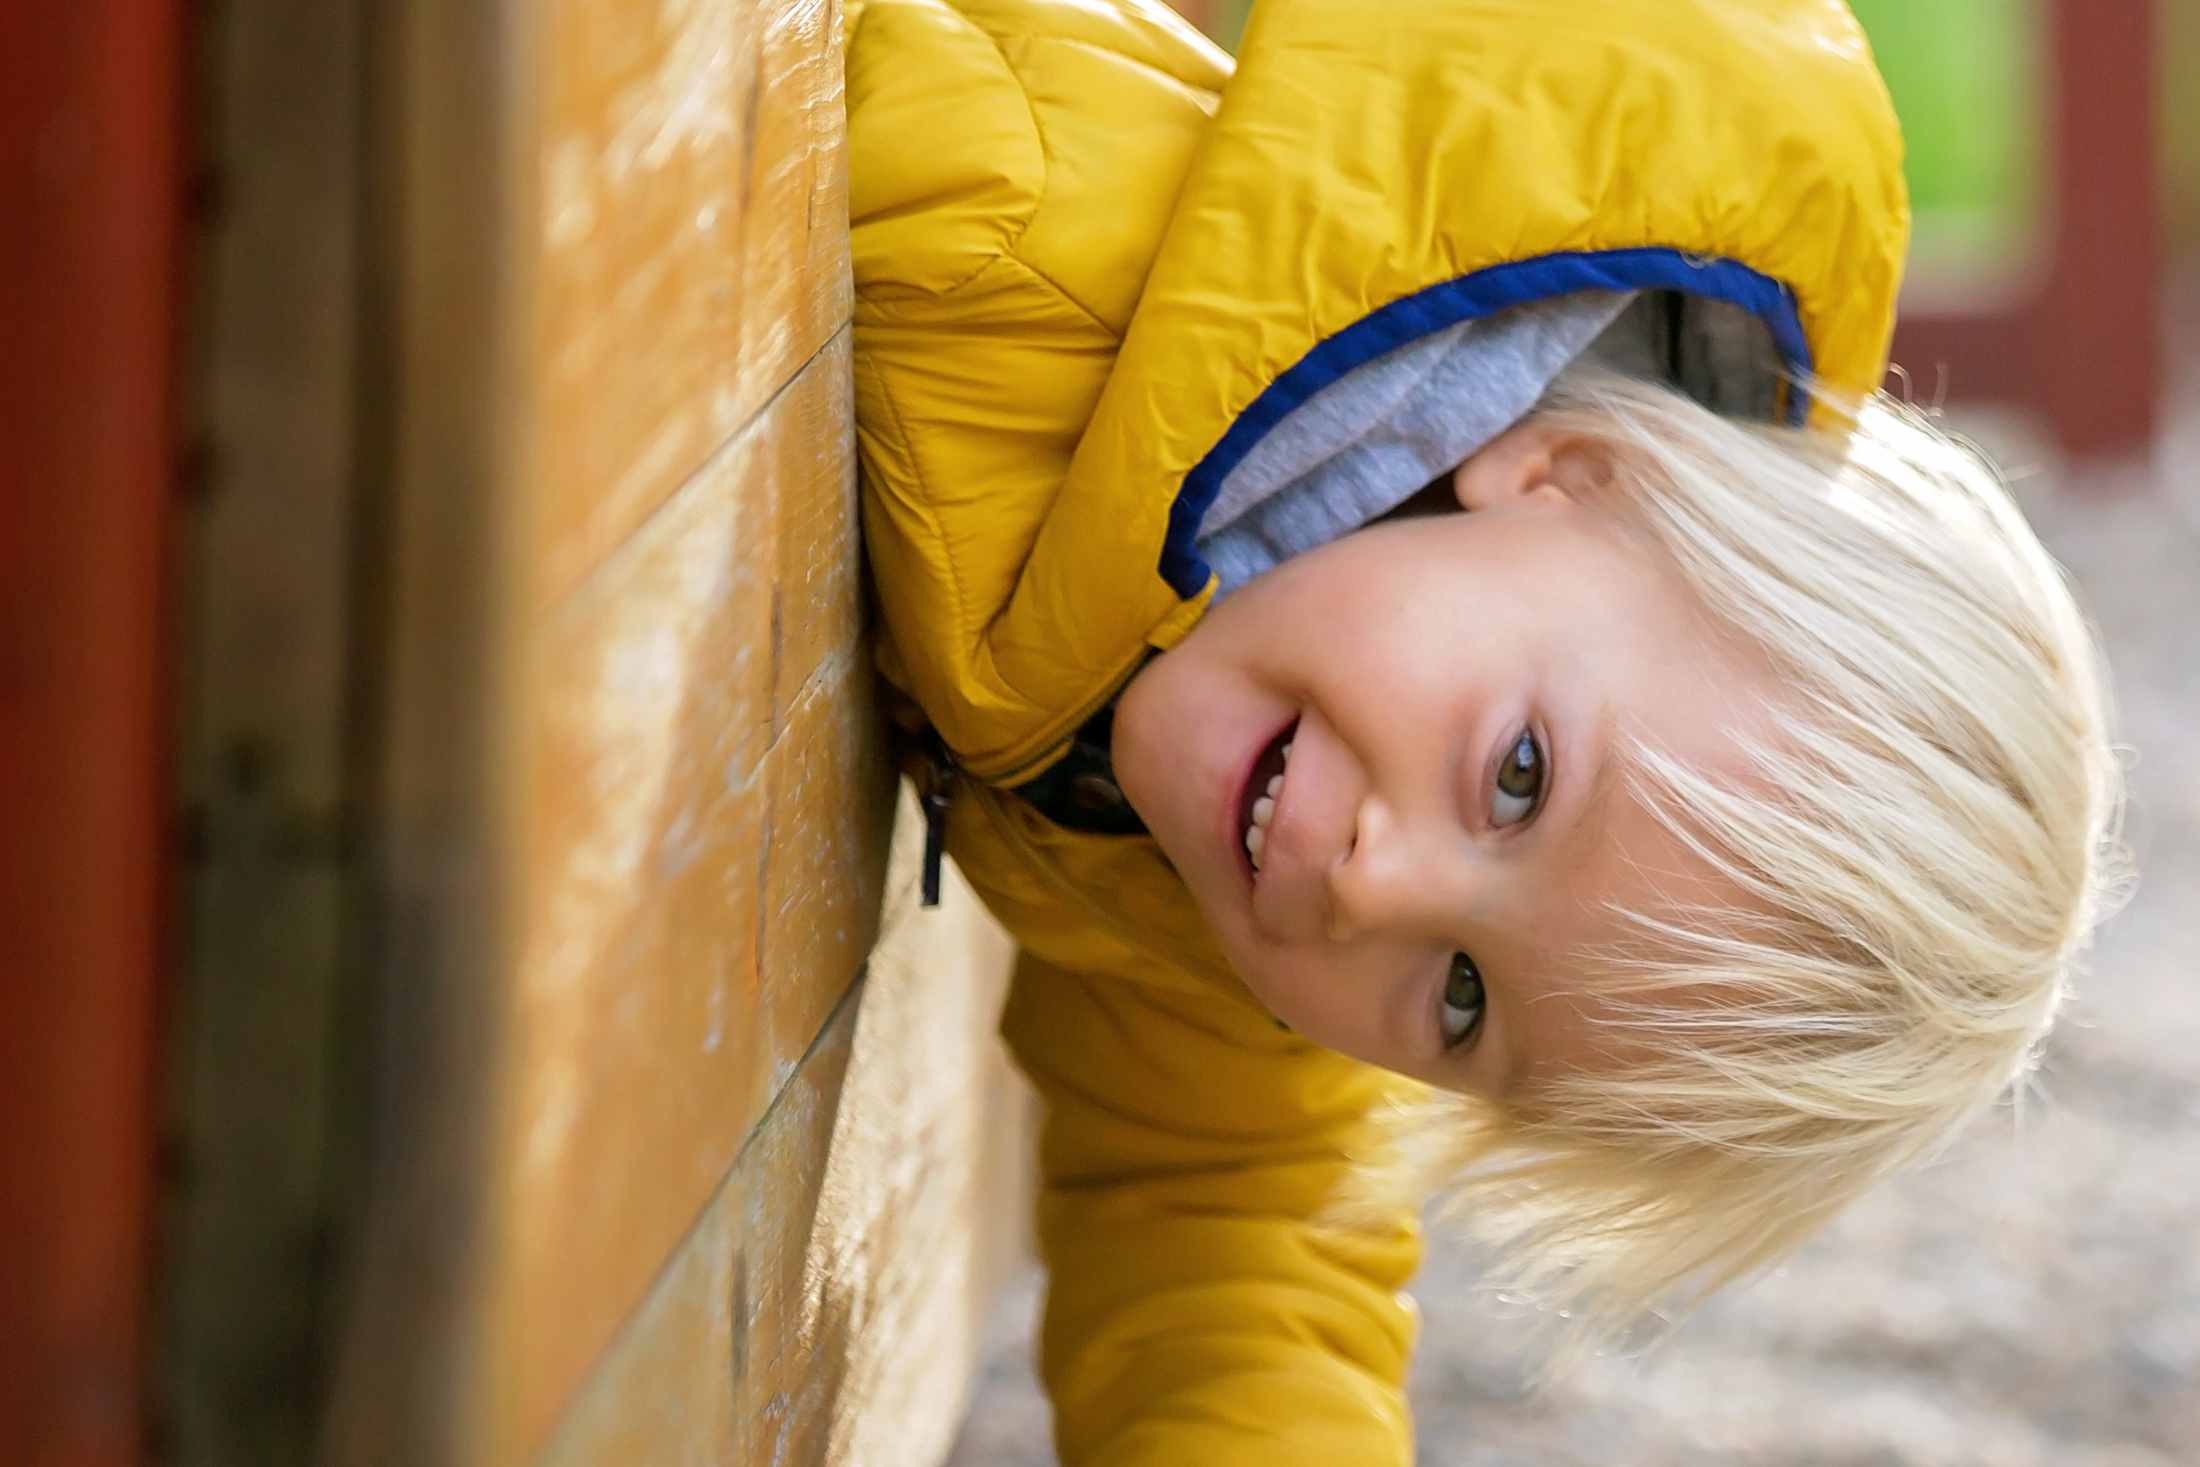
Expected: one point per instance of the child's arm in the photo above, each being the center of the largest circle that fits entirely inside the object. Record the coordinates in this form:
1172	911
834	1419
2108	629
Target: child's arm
1197	1311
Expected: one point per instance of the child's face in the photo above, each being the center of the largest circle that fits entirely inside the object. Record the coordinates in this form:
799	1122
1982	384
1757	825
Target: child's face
1452	691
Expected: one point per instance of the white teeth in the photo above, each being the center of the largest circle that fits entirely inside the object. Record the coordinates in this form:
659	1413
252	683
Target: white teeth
1264	810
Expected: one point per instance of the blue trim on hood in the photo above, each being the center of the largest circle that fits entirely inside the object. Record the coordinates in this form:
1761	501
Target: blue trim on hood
1447	304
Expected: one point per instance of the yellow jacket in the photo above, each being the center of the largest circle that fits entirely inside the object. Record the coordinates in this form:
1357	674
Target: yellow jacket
1093	267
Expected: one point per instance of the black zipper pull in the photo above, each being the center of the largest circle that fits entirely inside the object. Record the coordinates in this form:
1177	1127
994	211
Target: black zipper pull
935	844
939	772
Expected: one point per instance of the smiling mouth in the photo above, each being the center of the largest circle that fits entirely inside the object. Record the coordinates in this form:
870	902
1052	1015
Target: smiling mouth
1257	801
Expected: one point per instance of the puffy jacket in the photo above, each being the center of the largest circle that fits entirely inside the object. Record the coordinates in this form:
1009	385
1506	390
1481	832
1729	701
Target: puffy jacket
1093	266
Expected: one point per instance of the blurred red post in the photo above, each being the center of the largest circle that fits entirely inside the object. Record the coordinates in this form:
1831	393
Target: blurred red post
89	166
2081	346
1202	13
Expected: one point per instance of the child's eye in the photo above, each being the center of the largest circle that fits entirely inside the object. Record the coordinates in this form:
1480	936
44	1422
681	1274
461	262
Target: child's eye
1461	1011
1519	782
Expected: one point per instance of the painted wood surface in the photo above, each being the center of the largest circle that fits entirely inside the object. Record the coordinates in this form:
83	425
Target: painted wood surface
702	861
839	1279
692	238
662	1189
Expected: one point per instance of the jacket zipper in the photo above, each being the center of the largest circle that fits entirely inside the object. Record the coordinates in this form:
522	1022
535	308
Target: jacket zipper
1101	918
938	774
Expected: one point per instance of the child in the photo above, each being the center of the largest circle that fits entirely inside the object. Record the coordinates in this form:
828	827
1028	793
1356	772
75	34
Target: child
1693	830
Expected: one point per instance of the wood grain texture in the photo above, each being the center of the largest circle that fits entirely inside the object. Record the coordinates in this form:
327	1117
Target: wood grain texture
693	238
705	830
629	939
926	1202
837	1281
671	1391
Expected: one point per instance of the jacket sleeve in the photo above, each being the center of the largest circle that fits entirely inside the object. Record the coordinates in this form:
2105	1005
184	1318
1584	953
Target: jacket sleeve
1198	1312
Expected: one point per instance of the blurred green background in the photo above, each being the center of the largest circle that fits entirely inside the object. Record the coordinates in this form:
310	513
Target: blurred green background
1965	80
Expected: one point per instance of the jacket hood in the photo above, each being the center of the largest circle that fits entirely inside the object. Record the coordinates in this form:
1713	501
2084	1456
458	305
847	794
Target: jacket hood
1380	171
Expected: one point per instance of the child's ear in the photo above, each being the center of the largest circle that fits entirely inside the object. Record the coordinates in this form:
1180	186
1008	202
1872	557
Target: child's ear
1531	461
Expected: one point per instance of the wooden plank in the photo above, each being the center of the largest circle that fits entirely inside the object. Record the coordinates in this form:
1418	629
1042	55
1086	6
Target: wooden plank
693	247
673	1391
927	1193
656	868
252	1213
829	787
839	1278
444	445
268	657
797	288
701	872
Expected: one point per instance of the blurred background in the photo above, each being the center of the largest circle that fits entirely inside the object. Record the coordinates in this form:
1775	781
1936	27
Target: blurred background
465	1000
2034	1300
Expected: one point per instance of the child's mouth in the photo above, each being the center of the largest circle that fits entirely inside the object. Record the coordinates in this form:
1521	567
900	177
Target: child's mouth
1257	801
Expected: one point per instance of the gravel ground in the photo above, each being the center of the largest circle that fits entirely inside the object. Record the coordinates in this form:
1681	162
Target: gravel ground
2032	1300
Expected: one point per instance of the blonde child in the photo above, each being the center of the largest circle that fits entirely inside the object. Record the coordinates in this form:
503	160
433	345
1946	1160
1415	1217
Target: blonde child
1694	825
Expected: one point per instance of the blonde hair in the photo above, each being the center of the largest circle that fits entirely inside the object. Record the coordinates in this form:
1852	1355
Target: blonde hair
1923	843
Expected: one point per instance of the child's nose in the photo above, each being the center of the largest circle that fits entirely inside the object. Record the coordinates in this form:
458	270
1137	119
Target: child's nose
1386	885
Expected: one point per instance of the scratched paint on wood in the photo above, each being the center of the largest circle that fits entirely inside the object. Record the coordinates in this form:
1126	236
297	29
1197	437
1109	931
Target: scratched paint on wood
693	229
702	793
927	1188
671	1389
824	1307
702	868
634	725
794	245
829	793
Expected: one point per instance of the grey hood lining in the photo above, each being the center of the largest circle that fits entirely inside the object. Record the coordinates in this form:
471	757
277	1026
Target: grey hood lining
1372	439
